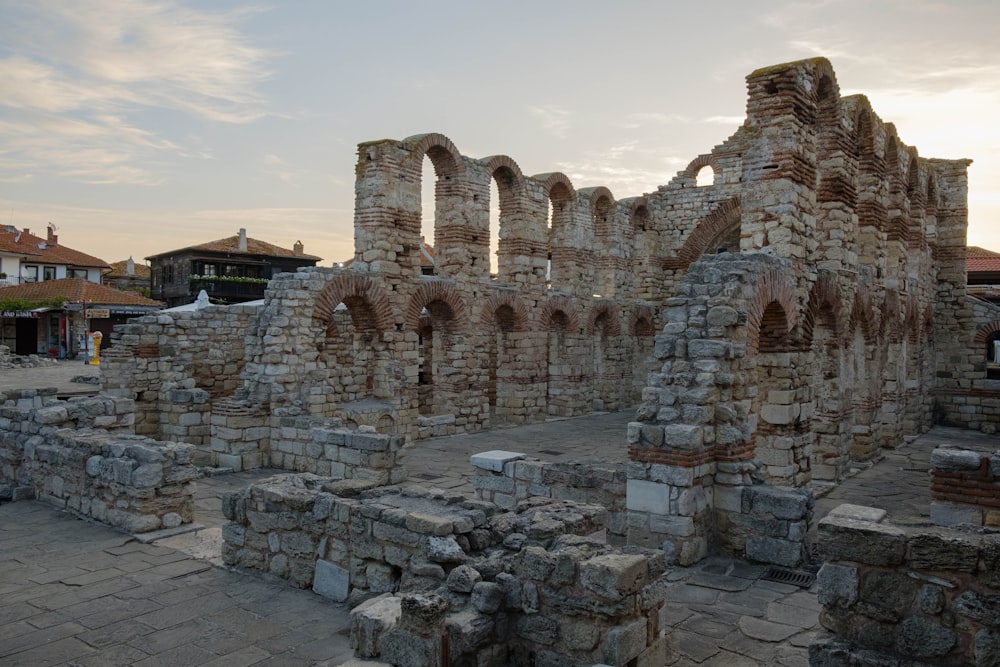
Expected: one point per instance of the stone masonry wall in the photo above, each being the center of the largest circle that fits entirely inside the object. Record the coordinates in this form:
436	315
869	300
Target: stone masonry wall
80	455
507	480
487	587
966	396
174	365
965	487
906	595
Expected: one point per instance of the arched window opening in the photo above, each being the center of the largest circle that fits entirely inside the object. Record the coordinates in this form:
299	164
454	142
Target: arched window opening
705	177
993	356
495	230
428	202
773	329
558	228
640	219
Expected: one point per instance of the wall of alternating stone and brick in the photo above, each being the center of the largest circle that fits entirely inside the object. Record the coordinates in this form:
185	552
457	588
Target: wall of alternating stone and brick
486	586
81	455
895	595
965	487
175	365
966	396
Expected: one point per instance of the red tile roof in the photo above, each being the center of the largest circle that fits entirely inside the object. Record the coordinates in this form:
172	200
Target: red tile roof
76	290
119	270
981	260
231	245
42	251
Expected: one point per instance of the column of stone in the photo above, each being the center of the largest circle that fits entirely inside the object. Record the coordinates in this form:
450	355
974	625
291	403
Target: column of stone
387	209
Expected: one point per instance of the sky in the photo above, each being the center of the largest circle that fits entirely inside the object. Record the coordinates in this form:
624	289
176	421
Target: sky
141	126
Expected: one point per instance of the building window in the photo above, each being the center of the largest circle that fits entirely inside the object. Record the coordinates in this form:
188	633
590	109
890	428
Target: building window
48	273
77	273
29	274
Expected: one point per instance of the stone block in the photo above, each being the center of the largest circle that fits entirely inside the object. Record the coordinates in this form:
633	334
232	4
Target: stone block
944	553
837	585
861	541
947	458
614	576
774	551
945	513
643	496
858	513
331	581
495	460
623	643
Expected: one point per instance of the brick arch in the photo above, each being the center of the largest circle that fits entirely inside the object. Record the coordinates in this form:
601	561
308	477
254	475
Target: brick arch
863	314
984	332
367	303
552	179
559	304
930	197
436	290
707	160
448	162
638	212
773	287
504	164
604	307
721	218
893	168
639	314
500	299
825	292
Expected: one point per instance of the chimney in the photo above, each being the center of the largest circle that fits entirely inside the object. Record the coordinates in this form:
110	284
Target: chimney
52	238
243	240
130	267
26	231
297	248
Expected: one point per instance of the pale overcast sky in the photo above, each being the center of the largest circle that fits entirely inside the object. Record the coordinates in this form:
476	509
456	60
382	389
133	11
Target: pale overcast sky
140	126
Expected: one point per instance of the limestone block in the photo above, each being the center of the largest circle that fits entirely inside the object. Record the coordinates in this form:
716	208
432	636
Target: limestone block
624	642
614	576
772	550
643	496
943	553
463	578
861	541
946	458
444	550
331	581
858	512
683	436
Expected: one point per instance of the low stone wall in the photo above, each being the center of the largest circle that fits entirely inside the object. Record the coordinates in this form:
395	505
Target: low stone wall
465	582
10	360
80	455
896	596
965	487
508	478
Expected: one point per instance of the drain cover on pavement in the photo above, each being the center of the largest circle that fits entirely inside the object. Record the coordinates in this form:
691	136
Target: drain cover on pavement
792	577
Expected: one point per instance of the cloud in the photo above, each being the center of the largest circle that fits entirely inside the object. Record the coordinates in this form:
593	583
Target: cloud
554	119
76	76
627	169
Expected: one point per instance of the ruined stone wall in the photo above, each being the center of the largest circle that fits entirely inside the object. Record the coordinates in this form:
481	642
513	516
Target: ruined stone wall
816	344
966	396
484	586
506	480
81	455
174	365
903	595
965	487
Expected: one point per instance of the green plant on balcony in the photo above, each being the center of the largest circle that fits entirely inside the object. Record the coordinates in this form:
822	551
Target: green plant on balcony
195	278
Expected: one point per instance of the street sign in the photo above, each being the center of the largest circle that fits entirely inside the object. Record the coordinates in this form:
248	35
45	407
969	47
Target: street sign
98	313
72	307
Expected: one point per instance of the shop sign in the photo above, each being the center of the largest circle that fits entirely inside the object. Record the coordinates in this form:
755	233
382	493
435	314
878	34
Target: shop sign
98	313
8	314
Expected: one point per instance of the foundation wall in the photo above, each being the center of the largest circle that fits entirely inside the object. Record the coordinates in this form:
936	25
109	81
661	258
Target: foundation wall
80	455
899	595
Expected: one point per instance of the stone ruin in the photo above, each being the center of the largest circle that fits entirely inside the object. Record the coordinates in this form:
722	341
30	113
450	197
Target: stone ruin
775	327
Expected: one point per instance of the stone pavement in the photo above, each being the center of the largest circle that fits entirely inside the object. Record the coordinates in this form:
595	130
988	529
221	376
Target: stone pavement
78	593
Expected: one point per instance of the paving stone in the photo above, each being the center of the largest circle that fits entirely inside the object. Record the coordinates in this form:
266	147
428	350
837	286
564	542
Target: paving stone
121	655
692	645
51	652
786	614
180	656
764	630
